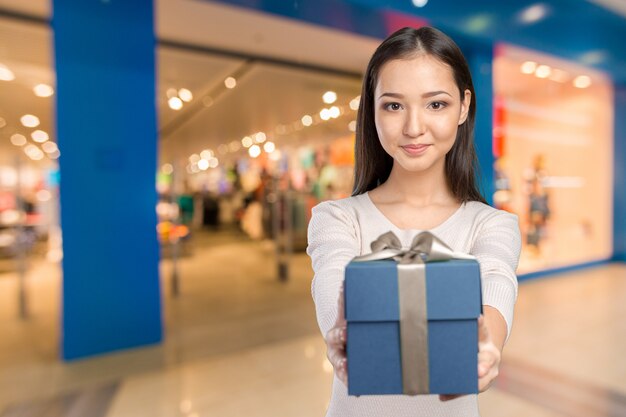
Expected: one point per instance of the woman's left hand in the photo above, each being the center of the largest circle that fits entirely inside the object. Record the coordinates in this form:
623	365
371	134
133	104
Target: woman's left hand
488	360
488	357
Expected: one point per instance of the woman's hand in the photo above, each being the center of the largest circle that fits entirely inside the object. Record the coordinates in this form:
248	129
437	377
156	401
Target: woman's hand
336	342
489	356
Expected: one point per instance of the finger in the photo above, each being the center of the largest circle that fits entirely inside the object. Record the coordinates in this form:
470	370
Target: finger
488	370
342	371
483	330
485	382
336	337
486	361
336	357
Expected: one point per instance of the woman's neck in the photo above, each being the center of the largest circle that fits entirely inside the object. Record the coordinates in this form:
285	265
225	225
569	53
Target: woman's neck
417	188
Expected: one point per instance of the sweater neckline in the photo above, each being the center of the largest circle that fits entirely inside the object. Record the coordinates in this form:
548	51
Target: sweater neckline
440	226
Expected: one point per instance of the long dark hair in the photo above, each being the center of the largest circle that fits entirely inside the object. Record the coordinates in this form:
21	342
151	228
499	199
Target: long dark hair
372	164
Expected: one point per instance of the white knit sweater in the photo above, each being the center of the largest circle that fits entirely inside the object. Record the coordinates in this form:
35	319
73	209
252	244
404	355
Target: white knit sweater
342	229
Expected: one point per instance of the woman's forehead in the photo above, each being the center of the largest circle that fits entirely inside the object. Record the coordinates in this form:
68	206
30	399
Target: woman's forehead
422	72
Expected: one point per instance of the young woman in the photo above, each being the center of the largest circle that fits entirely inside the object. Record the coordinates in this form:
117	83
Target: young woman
414	171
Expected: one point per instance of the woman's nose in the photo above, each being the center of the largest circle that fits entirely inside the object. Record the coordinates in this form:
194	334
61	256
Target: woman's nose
413	124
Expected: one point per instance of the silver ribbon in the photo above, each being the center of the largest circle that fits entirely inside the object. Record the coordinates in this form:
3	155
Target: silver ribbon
425	247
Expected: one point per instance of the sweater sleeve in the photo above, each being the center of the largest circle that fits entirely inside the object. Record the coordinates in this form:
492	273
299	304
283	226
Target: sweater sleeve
497	248
332	242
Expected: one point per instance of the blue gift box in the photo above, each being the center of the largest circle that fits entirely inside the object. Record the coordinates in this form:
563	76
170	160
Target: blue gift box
453	305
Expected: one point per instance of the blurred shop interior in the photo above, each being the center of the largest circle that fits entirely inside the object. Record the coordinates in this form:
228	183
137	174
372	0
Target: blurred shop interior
254	129
249	143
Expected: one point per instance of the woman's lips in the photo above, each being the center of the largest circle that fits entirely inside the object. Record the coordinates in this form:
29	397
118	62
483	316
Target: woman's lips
415	149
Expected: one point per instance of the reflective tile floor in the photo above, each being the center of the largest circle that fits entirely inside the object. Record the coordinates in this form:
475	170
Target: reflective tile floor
240	343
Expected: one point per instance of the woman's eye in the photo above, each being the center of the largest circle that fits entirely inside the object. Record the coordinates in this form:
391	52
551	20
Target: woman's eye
393	106
437	105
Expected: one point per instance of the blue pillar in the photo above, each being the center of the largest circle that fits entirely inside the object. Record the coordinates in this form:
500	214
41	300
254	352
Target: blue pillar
480	61
106	129
619	176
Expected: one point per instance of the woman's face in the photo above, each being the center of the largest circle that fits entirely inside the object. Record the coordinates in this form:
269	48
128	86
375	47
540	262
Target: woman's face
417	110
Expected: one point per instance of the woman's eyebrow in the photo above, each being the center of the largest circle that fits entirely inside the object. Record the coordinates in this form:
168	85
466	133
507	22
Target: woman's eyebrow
425	95
394	95
435	93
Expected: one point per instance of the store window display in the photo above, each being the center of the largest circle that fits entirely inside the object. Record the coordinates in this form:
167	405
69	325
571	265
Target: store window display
553	147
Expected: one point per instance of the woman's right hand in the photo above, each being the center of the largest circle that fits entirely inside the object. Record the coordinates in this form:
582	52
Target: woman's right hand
336	342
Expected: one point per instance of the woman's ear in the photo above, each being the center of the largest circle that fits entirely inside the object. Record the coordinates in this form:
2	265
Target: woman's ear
465	105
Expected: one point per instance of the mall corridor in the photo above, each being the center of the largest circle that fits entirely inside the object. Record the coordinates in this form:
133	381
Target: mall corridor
240	343
160	161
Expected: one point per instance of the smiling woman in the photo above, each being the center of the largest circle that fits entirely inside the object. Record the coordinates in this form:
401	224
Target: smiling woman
414	172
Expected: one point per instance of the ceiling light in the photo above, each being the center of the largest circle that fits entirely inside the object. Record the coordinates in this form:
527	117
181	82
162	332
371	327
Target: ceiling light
582	81
420	3
533	13
254	151
260	137
43	195
269	147
352	126
6	74
354	103
325	114
329	97
334	112
528	67
171	92
18	140
246	141
33	152
36	156
166	168
230	82
213	163
54	155
3	122
43	90
185	95
49	147
543	71
175	103
203	164
307	120
206	154
234	146
29	120
39	136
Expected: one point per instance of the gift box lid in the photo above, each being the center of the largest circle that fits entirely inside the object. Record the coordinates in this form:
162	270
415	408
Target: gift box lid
452	290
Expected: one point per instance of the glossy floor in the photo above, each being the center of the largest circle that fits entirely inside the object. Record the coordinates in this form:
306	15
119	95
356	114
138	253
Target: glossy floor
240	343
